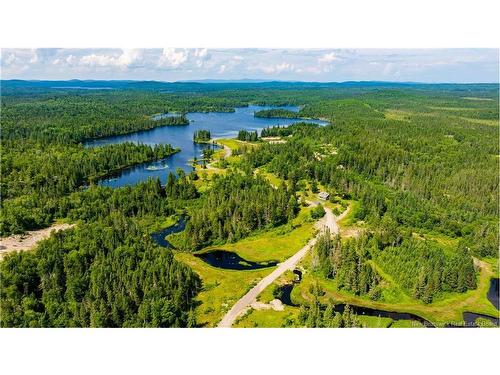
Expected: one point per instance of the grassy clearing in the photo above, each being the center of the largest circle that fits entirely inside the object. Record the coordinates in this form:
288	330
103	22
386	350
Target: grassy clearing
493	263
481	121
221	288
155	223
453	109
374	321
350	219
395	114
475	98
448	244
269	318
235	144
273	180
276	244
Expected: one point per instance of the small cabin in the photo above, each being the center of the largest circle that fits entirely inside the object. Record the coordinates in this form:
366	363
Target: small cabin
324	195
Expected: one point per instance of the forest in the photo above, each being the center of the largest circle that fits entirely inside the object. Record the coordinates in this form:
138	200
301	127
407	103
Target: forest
235	206
37	176
419	161
248	136
276	113
101	274
201	135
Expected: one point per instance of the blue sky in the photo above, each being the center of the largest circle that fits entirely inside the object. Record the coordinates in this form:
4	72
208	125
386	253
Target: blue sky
325	65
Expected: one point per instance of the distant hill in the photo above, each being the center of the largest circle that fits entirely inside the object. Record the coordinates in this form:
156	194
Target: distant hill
8	86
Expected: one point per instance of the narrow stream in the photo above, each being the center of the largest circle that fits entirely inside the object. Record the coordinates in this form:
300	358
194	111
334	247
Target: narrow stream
159	237
286	300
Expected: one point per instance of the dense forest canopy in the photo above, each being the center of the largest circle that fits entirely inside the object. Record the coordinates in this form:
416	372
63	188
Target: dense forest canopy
103	274
235	206
276	113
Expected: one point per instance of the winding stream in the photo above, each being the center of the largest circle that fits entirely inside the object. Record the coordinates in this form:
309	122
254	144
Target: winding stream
159	237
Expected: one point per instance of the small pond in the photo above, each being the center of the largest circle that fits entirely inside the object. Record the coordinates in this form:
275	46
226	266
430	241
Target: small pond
231	261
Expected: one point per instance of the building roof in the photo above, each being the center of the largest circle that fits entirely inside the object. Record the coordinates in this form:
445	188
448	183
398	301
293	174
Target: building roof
324	195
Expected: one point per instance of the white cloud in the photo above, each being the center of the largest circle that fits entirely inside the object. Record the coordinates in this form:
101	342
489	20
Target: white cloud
169	64
274	69
34	57
10	59
222	69
172	57
201	52
328	58
20	57
129	57
95	60
71	60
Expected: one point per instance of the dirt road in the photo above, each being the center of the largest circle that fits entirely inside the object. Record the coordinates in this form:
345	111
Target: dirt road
227	153
29	240
328	221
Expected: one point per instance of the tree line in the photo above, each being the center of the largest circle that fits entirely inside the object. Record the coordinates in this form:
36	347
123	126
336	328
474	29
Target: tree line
201	135
248	136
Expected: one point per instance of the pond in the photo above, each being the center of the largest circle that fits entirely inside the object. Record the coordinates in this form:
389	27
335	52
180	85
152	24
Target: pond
221	125
216	258
493	293
470	319
231	261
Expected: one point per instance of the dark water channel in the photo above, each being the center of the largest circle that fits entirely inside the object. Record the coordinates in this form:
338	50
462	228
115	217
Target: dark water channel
159	237
286	300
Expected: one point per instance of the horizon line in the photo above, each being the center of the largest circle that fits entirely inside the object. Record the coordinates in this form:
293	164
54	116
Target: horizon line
241	80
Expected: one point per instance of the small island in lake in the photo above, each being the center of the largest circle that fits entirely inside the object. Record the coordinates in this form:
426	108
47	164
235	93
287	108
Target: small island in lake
170	119
202	136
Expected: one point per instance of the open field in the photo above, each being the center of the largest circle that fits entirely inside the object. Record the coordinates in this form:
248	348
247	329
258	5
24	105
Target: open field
268	318
221	288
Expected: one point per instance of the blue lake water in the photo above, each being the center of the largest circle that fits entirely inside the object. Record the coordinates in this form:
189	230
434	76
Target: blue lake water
221	125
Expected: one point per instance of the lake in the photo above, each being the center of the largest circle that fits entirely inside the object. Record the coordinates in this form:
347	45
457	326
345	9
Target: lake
221	125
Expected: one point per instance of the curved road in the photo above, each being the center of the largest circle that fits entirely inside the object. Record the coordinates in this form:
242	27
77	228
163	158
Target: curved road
328	221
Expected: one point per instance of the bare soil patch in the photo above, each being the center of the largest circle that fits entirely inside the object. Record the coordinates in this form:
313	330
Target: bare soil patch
29	240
